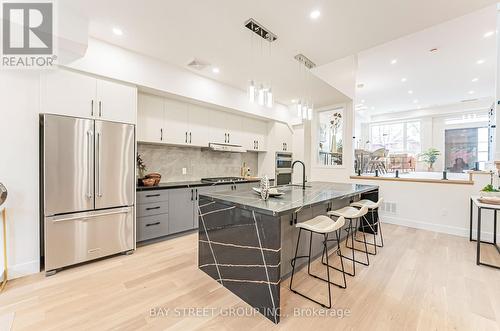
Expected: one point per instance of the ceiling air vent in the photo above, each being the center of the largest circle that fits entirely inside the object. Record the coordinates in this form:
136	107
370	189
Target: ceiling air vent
198	64
469	100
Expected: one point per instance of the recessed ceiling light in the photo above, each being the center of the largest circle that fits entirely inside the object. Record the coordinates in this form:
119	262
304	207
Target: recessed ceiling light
480	61
394	61
433	50
315	14
410	92
117	31
363	101
294	101
471	92
403	80
415	101
373	108
215	70
475	80
489	34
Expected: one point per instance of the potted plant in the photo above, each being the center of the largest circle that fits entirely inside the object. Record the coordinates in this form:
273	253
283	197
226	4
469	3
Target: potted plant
490	191
141	167
335	123
430	157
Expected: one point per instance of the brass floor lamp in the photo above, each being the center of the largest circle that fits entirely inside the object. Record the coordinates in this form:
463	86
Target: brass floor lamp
5	271
3	197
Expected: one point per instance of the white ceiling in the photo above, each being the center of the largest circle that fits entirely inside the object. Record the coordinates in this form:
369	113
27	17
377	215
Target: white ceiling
436	78
212	30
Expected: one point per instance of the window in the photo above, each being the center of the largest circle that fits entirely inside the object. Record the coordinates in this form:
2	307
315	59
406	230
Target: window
401	137
330	136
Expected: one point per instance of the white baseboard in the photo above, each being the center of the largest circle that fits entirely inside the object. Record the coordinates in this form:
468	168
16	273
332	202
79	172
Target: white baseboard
453	230
23	269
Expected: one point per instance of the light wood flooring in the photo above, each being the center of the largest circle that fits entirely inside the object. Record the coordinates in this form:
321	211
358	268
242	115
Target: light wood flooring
420	280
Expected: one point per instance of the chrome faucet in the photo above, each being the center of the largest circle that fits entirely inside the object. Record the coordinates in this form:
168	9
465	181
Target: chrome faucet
303	173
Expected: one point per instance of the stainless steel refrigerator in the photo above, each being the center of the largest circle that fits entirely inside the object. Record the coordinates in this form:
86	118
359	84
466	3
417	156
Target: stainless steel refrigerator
87	189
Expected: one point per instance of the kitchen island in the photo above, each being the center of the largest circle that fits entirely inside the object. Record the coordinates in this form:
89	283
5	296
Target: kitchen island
246	243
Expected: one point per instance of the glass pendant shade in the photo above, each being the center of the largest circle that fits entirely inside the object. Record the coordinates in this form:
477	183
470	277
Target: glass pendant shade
251	92
260	97
269	101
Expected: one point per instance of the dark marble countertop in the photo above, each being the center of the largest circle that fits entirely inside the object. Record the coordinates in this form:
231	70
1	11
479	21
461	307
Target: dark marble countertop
294	198
188	184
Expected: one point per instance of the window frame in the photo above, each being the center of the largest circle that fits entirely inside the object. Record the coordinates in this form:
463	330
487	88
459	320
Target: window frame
404	133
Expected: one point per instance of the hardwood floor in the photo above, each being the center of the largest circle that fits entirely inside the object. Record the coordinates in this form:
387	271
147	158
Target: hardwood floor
420	280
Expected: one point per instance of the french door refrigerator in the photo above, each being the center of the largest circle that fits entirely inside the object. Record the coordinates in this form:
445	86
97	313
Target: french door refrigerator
88	188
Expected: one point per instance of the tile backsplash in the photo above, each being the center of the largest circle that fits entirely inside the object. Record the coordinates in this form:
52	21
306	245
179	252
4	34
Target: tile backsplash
199	163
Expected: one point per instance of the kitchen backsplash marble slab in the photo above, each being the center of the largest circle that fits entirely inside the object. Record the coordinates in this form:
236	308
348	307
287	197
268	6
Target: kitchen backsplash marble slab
199	163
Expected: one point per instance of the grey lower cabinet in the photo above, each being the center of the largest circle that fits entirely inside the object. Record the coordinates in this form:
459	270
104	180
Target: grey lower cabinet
181	204
169	211
152	214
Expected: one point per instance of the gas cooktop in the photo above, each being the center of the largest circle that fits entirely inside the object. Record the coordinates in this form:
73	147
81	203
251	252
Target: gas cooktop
223	179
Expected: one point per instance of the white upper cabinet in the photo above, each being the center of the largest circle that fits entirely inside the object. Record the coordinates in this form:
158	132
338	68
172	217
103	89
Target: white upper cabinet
69	93
283	137
161	120
176	122
150	117
199	131
233	124
116	102
255	135
218	130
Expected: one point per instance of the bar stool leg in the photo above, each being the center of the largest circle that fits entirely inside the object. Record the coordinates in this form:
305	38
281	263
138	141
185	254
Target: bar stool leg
325	243
294	260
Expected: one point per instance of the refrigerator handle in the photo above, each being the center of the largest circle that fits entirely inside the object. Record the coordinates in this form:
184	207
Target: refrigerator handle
89	164
99	137
89	217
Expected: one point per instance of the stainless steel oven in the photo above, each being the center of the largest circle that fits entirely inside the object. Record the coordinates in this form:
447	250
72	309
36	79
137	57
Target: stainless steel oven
283	168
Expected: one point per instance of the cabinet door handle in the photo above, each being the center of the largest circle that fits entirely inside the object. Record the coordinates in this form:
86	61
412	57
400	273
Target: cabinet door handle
153	208
186	137
152	224
190	137
192	194
196	194
100	108
161	134
92	108
152	195
257	144
229	138
225	137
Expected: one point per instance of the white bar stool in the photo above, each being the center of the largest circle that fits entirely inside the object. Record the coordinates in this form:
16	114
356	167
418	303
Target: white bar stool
372	207
350	214
323	225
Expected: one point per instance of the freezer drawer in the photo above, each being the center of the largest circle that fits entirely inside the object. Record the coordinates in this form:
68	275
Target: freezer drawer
155	208
152	227
81	237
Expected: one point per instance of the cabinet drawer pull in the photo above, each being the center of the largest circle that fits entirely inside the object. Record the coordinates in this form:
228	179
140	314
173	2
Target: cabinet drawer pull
152	195
161	134
153	208
153	224
92	108
100	108
190	137
186	140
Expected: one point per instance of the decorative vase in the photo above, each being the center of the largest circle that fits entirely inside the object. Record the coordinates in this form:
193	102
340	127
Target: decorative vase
333	145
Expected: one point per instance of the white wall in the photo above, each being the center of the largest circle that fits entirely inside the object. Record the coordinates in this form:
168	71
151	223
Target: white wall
114	62
19	92
435	207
